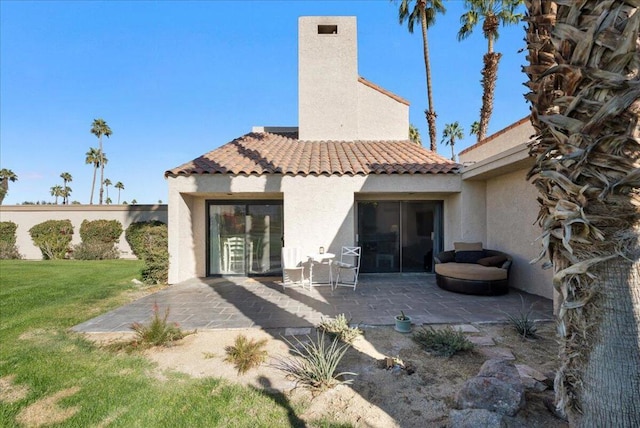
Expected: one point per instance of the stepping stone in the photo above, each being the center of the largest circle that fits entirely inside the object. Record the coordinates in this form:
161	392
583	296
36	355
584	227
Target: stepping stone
496	352
466	328
303	331
481	340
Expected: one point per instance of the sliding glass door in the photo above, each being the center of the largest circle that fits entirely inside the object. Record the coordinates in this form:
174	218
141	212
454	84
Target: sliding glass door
399	236
244	238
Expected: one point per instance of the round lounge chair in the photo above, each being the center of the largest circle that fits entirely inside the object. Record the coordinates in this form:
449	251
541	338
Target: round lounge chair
488	275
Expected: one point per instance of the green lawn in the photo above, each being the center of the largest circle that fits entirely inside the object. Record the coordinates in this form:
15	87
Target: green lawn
40	301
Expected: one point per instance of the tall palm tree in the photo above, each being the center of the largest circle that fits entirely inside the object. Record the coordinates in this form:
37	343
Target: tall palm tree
491	13
99	128
6	175
452	132
424	11
66	178
475	130
56	191
585	95
107	183
120	187
93	157
414	135
65	193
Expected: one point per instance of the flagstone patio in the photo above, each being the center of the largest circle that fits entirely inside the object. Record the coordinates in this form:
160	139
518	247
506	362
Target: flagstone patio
240	302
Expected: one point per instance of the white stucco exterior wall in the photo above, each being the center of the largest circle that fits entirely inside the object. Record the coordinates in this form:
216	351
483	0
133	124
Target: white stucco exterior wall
27	216
512	210
318	210
327	79
508	138
381	117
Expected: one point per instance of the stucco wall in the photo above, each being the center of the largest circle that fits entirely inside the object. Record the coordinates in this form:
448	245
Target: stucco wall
381	117
511	214
318	211
27	216
510	137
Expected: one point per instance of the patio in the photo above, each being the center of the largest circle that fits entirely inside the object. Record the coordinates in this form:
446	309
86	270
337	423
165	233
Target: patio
241	302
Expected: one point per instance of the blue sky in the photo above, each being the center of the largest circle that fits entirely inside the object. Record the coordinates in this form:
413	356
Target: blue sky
176	79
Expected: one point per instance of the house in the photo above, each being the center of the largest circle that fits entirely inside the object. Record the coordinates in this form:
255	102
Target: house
347	175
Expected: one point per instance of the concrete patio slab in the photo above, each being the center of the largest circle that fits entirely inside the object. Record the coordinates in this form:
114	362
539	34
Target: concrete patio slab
240	302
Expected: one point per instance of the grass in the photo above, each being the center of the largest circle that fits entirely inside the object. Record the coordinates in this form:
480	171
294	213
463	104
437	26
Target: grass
40	301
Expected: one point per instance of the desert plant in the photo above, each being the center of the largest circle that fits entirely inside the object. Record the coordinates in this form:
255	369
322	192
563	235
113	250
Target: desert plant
95	251
8	249
340	327
53	238
159	331
246	354
443	342
314	364
523	324
402	317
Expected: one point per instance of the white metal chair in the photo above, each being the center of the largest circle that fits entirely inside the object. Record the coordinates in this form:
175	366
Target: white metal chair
234	254
292	268
349	261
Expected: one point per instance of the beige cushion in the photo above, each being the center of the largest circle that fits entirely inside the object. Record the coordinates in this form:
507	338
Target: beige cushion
467	246
471	271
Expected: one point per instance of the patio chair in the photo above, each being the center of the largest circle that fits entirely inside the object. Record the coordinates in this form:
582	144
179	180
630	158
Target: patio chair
349	261
234	254
292	268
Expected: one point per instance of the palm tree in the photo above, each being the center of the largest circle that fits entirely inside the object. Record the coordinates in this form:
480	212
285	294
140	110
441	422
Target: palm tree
108	201
120	187
107	183
584	94
452	132
492	13
99	128
133	202
66	178
65	193
475	130
56	191
414	135
6	175
93	157
425	11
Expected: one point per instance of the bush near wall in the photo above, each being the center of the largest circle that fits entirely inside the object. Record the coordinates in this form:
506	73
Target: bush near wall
53	238
8	249
99	240
149	241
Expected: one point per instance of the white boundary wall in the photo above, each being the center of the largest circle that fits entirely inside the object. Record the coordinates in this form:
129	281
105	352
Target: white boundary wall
27	216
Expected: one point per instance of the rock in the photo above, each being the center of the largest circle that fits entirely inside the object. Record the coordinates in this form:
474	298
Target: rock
496	352
491	394
473	418
481	340
496	388
531	378
137	281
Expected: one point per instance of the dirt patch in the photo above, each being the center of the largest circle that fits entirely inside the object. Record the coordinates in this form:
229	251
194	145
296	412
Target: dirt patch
47	411
378	397
10	392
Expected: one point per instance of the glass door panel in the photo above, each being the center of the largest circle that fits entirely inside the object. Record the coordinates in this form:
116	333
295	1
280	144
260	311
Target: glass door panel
379	235
244	239
264	232
417	236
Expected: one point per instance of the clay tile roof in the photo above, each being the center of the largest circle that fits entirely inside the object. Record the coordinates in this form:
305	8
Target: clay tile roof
282	153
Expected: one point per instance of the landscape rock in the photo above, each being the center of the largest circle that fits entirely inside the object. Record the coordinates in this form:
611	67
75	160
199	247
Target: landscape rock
531	378
496	388
473	418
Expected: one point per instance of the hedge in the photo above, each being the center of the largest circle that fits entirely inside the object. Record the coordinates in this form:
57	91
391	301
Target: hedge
149	242
99	240
8	249
53	238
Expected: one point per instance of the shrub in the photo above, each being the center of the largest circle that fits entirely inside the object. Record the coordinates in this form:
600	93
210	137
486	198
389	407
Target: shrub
314	364
340	327
53	238
246	354
159	331
444	342
136	232
149	242
8	249
99	239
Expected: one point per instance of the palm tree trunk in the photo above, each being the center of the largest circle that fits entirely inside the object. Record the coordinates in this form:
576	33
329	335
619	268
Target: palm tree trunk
489	77
430	112
101	170
586	106
4	188
93	183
